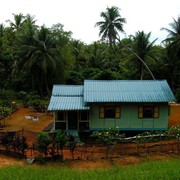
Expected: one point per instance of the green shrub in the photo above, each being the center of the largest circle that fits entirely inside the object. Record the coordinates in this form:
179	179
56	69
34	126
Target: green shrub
5	103
4	112
39	105
61	140
43	141
20	144
174	131
33	100
21	95
8	95
108	137
40	159
27	98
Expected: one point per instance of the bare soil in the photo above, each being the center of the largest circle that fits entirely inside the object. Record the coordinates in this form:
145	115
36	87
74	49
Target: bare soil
174	118
17	122
6	161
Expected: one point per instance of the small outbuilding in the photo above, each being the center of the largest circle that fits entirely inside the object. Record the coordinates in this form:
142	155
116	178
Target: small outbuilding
128	105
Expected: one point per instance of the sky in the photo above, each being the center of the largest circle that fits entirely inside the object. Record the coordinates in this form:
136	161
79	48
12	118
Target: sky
80	16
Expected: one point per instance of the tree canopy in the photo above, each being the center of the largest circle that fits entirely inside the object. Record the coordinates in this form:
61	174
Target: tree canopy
33	58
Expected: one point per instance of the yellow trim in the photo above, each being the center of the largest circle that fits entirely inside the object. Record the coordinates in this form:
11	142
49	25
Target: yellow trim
101	112
156	112
140	112
117	112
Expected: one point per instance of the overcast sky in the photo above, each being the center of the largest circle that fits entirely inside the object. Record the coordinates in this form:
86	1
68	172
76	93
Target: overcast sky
80	16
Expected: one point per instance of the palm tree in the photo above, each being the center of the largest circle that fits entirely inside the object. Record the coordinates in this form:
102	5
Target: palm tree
6	60
18	21
173	52
1	46
97	55
109	28
173	38
144	49
112	24
39	55
139	50
174	32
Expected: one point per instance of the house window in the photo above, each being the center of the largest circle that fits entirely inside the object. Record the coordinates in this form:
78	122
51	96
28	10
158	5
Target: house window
60	122
84	120
148	112
60	125
84	115
109	112
60	115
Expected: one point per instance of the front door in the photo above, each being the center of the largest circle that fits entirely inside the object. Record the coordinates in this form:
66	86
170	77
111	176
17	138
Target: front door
72	120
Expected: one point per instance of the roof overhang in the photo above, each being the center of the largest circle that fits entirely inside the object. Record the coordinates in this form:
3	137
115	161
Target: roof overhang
67	103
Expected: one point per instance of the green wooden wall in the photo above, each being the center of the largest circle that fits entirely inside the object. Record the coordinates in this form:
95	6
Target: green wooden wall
129	118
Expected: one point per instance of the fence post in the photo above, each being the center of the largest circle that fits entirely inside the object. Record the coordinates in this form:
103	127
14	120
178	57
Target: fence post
178	146
138	150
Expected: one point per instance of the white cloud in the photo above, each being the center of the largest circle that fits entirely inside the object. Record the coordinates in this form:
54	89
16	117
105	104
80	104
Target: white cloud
80	16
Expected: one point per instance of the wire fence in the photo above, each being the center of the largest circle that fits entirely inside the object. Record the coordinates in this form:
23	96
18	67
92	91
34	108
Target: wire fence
96	151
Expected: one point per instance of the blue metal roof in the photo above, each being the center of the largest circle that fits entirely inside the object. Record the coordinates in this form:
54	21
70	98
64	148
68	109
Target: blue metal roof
66	103
127	91
67	97
75	97
67	90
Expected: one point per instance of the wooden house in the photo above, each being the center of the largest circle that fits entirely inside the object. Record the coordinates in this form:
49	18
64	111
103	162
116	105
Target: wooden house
128	105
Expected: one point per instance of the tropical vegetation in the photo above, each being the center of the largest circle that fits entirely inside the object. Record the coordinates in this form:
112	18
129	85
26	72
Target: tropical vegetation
33	57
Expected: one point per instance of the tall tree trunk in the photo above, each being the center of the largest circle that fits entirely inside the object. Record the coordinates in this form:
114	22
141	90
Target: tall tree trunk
47	88
142	72
138	58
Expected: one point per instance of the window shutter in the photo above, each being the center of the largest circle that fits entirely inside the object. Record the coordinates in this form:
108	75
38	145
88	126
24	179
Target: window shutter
156	112
140	112
101	112
117	112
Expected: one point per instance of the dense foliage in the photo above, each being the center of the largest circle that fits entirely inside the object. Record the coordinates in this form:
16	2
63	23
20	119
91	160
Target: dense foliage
33	58
51	143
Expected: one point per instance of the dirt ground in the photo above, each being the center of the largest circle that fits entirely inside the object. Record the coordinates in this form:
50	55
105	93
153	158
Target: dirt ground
6	160
174	118
18	121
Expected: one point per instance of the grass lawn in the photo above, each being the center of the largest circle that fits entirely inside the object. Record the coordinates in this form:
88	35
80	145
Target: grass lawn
167	169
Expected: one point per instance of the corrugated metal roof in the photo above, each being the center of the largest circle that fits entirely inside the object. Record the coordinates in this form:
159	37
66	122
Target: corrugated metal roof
66	103
67	90
74	97
127	91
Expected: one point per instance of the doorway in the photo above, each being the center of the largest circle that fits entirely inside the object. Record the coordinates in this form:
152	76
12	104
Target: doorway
72	120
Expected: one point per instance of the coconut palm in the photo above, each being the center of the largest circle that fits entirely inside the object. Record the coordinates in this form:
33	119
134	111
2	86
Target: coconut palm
18	21
142	49
112	24
173	38
96	53
39	57
172	45
6	60
174	32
